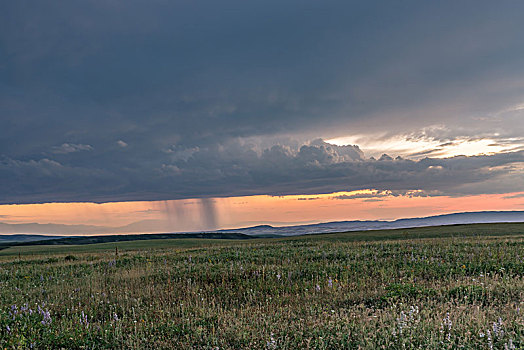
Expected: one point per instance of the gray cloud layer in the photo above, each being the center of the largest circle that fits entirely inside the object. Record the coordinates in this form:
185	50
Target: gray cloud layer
128	100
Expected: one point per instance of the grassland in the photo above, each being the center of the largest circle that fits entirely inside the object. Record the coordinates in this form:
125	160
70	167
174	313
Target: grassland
428	288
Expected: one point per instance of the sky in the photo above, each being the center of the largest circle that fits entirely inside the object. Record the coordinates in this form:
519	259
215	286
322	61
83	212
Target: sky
191	115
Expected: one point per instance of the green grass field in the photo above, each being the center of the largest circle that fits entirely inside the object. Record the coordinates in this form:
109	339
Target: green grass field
426	288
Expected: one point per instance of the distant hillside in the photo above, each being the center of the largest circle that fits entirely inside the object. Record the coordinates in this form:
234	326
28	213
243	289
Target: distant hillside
25	238
124	238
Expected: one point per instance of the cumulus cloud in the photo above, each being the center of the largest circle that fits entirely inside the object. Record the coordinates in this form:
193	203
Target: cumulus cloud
71	148
376	194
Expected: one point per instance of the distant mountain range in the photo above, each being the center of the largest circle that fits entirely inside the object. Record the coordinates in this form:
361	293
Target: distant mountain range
68	230
36	232
341	226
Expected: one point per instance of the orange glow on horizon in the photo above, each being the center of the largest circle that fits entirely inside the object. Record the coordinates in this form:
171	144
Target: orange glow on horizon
234	212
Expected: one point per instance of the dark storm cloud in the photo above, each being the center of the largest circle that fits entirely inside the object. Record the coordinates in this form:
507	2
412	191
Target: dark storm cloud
235	169
125	100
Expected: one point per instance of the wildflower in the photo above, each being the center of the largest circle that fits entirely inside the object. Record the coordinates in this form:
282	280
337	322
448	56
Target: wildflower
490	340
509	345
413	310
83	319
47	318
497	328
317	287
406	320
446	323
272	343
330	282
8	329
14	311
402	322
115	317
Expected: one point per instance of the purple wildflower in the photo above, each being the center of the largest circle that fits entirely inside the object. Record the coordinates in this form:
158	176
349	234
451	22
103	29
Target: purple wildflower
83	319
47	318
